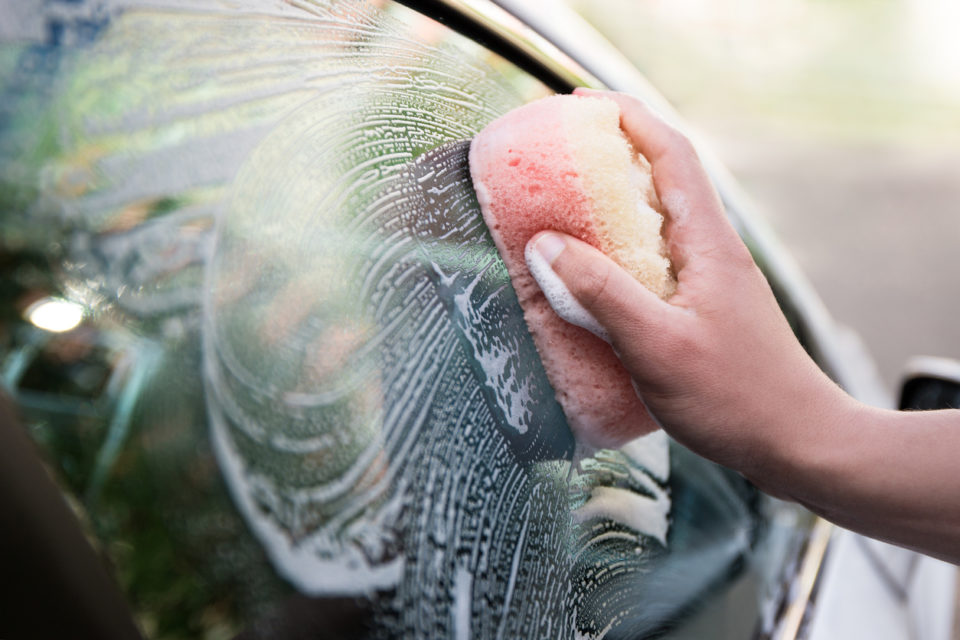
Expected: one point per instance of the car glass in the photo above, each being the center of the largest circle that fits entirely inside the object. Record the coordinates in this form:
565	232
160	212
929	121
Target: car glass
303	392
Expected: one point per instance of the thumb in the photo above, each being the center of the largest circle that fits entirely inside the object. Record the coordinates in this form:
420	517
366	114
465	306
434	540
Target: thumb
588	289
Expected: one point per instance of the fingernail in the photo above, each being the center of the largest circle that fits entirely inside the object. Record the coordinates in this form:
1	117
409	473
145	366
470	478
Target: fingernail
549	246
539	256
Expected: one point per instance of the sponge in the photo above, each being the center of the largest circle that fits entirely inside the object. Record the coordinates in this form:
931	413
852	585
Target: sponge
563	163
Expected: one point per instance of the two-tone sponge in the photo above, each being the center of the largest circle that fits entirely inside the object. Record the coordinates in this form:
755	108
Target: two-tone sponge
564	164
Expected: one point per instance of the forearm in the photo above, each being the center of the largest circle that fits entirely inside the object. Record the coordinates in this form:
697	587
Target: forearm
719	368
887	474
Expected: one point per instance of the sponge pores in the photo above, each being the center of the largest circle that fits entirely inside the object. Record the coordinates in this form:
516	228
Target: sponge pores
563	163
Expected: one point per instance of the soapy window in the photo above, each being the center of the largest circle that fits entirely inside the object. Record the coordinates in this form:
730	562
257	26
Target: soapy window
318	402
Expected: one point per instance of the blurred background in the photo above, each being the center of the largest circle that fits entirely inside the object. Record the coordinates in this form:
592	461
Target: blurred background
842	121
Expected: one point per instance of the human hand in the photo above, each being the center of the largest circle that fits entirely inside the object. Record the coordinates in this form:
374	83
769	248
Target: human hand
719	368
717	364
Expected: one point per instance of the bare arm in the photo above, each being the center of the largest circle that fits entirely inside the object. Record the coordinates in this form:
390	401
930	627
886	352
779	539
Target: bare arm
718	366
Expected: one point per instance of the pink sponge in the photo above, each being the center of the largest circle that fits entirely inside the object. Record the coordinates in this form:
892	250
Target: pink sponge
563	163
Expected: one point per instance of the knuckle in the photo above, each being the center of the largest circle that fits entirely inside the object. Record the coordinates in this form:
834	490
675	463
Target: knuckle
592	282
683	346
680	144
677	346
739	261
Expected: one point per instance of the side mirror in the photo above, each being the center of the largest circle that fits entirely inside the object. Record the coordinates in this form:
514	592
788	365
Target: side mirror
930	383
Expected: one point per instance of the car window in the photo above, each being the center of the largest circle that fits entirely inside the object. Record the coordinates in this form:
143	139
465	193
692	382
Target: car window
302	394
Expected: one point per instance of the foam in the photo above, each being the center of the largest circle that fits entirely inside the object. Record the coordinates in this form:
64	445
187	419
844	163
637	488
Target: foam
558	295
563	164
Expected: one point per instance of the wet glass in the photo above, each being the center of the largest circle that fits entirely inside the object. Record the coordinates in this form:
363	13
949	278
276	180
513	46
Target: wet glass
301	394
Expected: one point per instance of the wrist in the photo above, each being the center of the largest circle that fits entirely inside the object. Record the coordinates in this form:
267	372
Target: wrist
803	449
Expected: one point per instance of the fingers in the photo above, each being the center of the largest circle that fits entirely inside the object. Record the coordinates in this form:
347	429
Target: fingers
588	289
539	256
697	222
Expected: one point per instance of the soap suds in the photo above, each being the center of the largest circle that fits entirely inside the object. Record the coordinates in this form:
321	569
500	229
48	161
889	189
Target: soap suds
558	295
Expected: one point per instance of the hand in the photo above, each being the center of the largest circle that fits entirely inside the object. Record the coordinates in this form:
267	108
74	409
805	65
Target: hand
717	364
719	369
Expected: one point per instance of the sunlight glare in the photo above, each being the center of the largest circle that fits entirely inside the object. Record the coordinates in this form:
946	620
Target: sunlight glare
54	314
